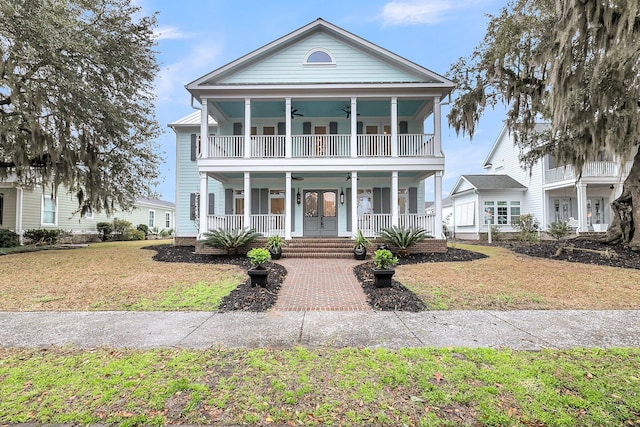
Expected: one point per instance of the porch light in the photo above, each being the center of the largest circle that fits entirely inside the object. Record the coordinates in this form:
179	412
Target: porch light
298	197
341	197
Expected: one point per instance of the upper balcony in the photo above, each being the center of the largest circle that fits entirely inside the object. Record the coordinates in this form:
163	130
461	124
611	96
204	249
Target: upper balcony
321	146
591	170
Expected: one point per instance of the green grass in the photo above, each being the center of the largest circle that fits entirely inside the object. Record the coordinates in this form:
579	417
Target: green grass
199	296
350	387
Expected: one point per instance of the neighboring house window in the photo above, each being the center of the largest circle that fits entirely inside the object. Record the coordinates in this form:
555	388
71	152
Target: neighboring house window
501	212
167	220
152	219
88	214
489	212
515	212
48	211
319	56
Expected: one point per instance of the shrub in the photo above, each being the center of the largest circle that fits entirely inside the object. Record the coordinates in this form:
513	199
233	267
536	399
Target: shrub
42	236
559	230
8	239
230	240
528	228
166	232
403	238
144	228
133	234
496	233
258	256
121	225
383	259
104	230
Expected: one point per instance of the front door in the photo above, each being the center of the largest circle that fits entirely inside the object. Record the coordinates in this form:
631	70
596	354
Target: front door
320	213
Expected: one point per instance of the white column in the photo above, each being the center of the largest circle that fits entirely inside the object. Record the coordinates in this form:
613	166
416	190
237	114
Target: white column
202	209
354	201
247	128
354	128
437	127
204	129
288	212
247	200
437	194
581	190
394	126
19	203
288	149
395	217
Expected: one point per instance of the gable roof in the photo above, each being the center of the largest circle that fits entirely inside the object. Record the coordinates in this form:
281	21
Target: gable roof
191	120
486	182
423	75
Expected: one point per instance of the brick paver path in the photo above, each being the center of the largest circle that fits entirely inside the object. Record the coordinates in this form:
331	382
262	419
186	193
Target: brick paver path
320	284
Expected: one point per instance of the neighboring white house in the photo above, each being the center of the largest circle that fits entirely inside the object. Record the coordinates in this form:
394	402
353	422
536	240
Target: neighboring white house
26	208
318	133
549	192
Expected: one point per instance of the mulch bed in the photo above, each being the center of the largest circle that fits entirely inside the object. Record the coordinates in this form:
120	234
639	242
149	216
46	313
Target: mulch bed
243	298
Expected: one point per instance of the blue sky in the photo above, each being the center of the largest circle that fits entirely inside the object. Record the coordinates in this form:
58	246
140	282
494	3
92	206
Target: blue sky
198	36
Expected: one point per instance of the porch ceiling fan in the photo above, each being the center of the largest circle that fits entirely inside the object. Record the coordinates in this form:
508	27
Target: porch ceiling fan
297	178
347	111
349	177
295	113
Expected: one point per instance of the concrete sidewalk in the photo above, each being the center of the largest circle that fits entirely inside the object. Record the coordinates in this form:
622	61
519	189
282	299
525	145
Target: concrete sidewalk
520	330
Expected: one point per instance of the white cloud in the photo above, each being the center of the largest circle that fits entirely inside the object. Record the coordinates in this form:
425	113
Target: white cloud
411	12
171	33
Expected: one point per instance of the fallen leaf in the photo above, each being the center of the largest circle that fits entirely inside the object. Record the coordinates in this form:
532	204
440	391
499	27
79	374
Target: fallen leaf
416	399
438	376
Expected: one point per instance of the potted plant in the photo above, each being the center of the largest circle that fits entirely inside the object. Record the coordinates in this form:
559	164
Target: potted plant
360	246
258	274
274	246
383	261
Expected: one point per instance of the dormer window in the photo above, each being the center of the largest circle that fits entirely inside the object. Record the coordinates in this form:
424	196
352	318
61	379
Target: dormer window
319	56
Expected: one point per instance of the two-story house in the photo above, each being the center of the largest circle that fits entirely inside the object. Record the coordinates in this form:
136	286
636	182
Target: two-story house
548	191
316	134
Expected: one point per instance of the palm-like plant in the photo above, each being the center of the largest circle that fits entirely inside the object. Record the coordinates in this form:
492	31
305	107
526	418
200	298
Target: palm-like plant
403	238
230	240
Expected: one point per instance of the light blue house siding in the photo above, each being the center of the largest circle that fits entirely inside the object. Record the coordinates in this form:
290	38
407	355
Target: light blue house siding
353	65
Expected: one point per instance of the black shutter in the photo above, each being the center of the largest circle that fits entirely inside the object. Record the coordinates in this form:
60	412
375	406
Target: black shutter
282	129
403	127
194	146
377	200
386	200
255	201
348	196
192	206
360	128
237	128
212	204
306	128
228	201
413	200
264	201
333	128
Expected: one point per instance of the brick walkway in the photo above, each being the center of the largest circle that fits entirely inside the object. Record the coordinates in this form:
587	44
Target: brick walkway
320	284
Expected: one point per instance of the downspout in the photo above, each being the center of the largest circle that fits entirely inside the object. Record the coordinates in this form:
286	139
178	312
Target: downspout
19	202
195	107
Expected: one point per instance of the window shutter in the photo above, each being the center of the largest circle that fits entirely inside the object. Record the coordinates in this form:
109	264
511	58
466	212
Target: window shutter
237	128
228	201
212	204
264	201
333	128
194	146
360	128
386	200
403	127
282	130
377	200
348	202
413	200
192	206
255	201
306	128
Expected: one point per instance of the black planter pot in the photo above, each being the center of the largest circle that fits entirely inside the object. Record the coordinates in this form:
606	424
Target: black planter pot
382	277
276	254
258	277
360	253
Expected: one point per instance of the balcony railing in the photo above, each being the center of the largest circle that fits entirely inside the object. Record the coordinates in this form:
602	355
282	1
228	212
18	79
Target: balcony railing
270	224
321	146
593	169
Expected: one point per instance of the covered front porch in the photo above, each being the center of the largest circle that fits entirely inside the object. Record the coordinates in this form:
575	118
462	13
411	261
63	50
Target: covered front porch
318	204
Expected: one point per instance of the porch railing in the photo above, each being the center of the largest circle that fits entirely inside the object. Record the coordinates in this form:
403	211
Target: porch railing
594	169
321	146
268	224
418	221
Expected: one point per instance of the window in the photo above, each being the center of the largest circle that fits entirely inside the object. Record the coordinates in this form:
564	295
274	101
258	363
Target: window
501	212
238	201
152	218
489	212
48	211
1	206
167	220
276	201
515	212
319	56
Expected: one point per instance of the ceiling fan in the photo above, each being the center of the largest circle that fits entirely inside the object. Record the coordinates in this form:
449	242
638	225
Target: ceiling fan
295	113
347	111
349	177
297	178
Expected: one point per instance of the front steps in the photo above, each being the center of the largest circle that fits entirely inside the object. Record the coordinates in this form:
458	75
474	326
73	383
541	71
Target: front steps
308	247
